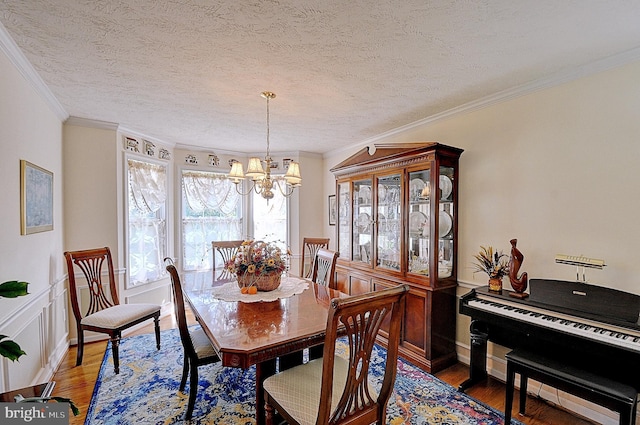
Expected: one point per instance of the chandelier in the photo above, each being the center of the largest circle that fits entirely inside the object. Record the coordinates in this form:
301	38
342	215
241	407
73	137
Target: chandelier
262	181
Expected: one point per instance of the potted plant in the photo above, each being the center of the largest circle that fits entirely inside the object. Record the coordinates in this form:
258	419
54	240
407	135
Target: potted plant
11	350
495	264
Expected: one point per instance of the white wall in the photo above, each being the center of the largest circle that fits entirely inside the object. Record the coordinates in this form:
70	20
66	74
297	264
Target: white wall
30	130
558	170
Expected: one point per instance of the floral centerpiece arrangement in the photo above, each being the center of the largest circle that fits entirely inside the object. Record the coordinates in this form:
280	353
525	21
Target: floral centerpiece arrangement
494	263
258	266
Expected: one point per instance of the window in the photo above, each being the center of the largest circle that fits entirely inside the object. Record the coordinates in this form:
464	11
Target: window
211	210
147	221
270	222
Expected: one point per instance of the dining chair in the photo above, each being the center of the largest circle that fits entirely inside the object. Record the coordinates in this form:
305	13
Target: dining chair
324	268
336	390
310	247
225	250
324	273
198	350
104	314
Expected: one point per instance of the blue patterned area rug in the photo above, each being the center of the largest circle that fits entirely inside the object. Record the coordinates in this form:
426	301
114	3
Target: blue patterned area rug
146	391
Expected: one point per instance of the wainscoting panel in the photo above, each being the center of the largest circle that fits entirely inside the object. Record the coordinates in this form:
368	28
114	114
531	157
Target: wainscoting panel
39	328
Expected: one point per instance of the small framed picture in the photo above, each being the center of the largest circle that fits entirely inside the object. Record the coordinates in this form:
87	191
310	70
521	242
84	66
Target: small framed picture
36	199
332	210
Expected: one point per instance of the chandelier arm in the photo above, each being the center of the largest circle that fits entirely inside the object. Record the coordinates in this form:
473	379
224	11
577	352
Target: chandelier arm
248	192
289	189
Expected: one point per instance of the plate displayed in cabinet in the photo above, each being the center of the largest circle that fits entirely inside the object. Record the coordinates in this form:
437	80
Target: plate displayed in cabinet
418	224
382	192
445	224
446	186
363	222
415	189
365	194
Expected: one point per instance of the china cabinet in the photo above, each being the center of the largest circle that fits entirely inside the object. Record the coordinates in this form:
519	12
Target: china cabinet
397	223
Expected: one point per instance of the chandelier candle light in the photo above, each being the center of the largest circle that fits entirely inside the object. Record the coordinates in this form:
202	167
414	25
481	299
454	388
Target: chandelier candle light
262	181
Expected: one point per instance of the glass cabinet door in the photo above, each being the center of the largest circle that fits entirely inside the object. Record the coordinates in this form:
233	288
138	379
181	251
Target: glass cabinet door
446	215
362	221
344	219
388	222
419	225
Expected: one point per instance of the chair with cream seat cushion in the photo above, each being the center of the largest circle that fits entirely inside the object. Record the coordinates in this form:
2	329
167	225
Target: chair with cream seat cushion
223	252
323	273
324	268
198	350
310	247
104	314
336	390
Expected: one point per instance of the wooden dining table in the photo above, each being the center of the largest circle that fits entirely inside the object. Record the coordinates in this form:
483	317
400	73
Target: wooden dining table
248	333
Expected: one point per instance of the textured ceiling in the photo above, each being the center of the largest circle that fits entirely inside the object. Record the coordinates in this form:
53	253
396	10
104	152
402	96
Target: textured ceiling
191	71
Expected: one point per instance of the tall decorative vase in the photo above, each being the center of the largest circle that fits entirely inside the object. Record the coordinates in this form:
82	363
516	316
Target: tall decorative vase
495	284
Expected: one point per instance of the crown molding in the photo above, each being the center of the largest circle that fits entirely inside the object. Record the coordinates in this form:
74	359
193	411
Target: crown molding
22	64
601	65
91	123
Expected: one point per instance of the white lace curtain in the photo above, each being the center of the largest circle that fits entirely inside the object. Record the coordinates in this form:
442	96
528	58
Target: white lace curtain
148	183
212	213
209	191
147	224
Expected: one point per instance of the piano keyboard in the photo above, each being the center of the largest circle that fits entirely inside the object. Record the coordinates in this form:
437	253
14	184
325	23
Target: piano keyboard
589	329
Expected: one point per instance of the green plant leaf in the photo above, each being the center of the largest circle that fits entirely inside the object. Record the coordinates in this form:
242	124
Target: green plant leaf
10	349
13	289
74	408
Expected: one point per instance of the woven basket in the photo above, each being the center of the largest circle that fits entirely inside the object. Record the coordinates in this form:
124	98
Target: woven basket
264	282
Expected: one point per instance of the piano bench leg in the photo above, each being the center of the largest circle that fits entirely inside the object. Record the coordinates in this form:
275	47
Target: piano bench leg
523	393
508	405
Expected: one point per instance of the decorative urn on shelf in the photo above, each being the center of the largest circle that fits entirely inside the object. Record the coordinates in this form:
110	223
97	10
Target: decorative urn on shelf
495	264
258	265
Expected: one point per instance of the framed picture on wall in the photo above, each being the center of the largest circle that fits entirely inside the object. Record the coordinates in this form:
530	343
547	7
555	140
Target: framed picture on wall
36	199
332	210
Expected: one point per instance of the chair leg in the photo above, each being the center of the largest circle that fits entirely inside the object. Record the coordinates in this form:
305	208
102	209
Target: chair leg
268	413
156	319
193	391
80	347
185	373
115	343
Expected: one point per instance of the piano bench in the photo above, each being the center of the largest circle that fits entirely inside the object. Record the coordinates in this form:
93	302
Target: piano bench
595	388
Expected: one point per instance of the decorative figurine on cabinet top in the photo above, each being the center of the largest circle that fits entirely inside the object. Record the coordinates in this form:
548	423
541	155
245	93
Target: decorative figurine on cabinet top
519	284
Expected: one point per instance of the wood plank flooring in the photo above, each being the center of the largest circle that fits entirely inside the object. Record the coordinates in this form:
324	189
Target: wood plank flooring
77	384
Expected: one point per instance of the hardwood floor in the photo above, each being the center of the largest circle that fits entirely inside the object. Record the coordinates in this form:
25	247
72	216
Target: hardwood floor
77	384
